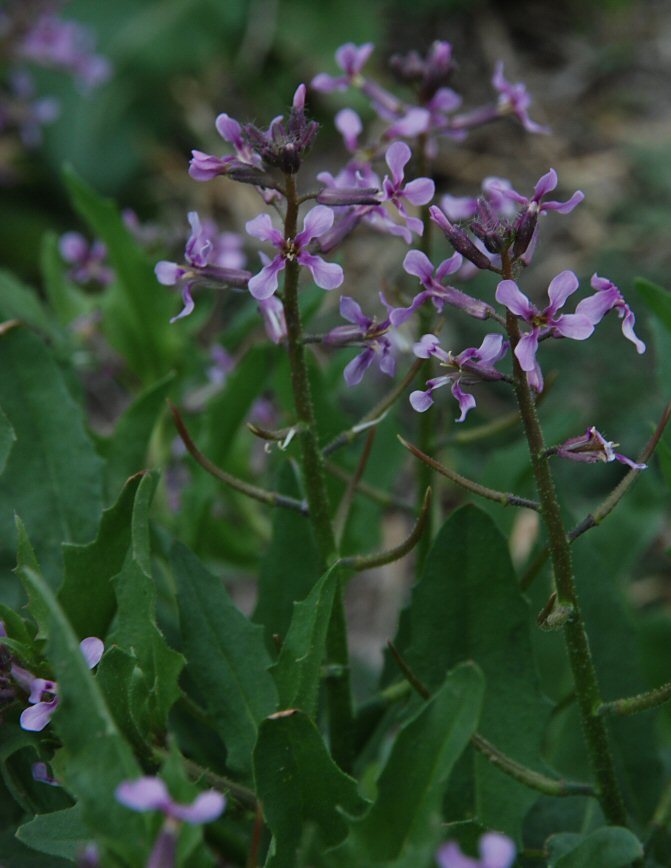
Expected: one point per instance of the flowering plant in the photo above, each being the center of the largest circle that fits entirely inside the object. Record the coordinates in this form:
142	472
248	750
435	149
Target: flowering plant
218	733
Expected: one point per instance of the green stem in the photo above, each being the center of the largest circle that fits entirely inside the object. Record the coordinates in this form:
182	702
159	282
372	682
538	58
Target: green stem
339	697
638	703
577	644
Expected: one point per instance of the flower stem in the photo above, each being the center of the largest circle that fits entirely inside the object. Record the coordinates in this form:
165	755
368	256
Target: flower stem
339	698
575	635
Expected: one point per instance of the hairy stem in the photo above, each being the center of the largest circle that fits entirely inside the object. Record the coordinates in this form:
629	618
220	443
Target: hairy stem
577	644
339	698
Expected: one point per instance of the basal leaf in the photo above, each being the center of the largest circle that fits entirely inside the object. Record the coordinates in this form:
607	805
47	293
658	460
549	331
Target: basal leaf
53	475
226	657
298	669
61	833
135	629
468	606
87	594
299	784
611	847
403	825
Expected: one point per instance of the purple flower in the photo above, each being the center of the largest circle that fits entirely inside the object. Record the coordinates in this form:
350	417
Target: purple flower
348	123
351	59
419	265
368	332
151	794
545	184
608	297
514	99
87	260
204	167
417	192
197	270
496	851
470	366
591	447
547	322
44	693
42	774
316	223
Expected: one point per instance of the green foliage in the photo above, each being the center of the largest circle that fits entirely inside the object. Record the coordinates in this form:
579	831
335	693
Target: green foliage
299	784
227	658
60	833
605	848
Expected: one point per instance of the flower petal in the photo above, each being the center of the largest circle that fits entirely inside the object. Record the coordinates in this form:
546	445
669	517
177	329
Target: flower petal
92	648
492	349
326	275
397	156
628	331
545	184
348	123
497	851
265	283
419	265
229	129
35	718
509	293
421	401
450	856
351	311
261	227
560	288
573	325
188	303
316	222
420	191
207	807
355	369
466	400
526	350
144	794
168	273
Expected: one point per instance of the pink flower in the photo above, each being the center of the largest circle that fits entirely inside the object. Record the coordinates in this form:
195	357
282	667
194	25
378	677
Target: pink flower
417	192
317	222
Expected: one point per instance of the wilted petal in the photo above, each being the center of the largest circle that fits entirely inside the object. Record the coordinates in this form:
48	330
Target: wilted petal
35	718
144	794
326	275
561	287
628	331
207	807
564	207
509	294
265	283
466	401
92	648
188	303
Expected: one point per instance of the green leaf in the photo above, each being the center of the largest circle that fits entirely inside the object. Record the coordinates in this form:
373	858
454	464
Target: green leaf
226	655
7	439
60	833
656	298
67	301
611	847
87	594
142	308
283	578
116	677
53	475
404	824
26	560
468	606
18	301
298	783
298	669
126	450
135	629
96	758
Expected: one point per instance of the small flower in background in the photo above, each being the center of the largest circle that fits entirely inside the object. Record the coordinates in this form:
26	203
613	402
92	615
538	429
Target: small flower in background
608	297
199	268
514	99
316	223
470	366
151	794
205	167
367	332
44	692
272	313
496	851
88	261
547	322
42	773
592	447
351	59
